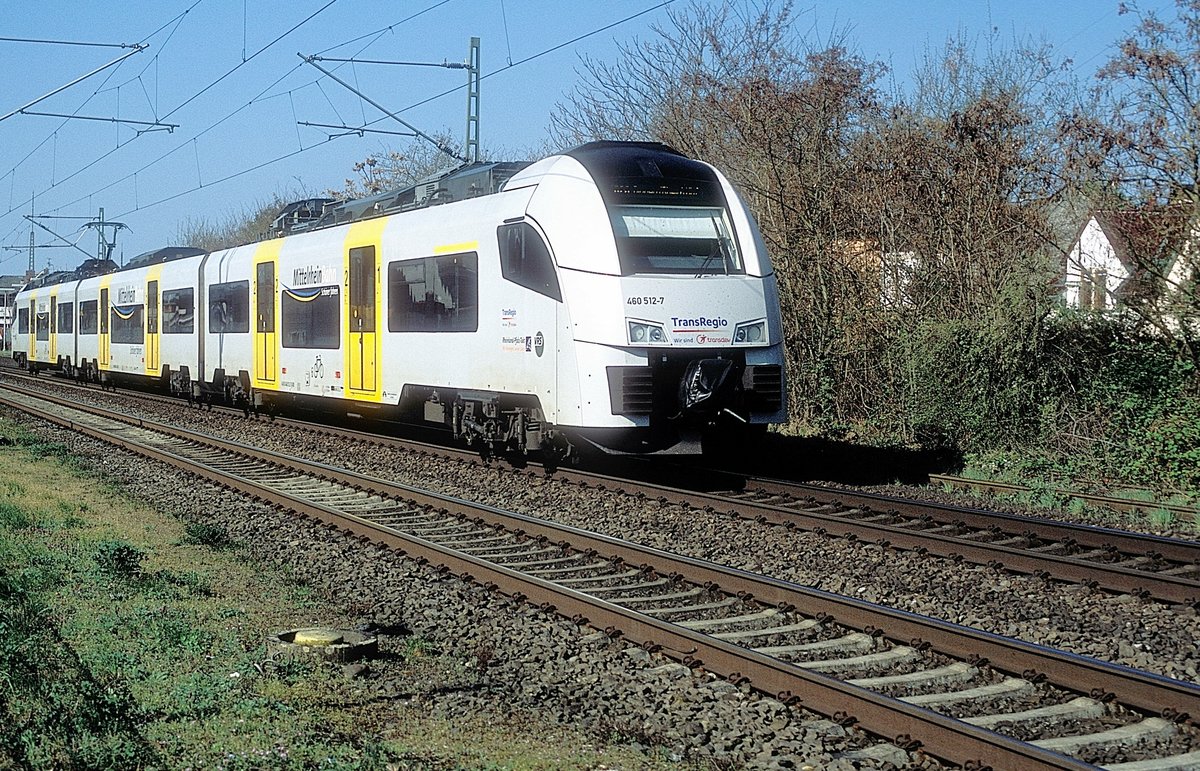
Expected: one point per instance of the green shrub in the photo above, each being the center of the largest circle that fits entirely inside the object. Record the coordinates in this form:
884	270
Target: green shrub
13	517
119	558
206	534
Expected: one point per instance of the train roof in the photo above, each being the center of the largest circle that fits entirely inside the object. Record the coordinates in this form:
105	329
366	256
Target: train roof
470	180
165	254
627	172
87	269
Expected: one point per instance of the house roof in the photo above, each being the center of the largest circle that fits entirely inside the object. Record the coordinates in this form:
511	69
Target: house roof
1148	238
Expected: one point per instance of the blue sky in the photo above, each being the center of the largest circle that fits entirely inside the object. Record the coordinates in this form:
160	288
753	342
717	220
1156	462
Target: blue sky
238	141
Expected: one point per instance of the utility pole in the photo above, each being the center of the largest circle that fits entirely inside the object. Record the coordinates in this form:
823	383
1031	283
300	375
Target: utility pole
473	78
473	102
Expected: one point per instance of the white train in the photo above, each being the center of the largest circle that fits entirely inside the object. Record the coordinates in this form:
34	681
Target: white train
618	294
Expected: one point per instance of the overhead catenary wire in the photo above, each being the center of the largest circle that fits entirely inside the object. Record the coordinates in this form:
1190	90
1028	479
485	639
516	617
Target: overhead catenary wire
177	108
66	42
140	206
138	48
177	20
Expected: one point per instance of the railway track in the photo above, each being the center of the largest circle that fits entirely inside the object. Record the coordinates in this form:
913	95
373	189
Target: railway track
1189	514
1125	562
958	694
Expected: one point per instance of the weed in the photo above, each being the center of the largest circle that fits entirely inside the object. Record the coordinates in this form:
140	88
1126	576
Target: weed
119	558
195	583
14	489
1162	517
417	647
13	517
40	449
1135	494
206	534
1077	507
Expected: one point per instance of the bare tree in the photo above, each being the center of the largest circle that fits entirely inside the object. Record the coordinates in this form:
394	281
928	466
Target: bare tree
1144	142
250	224
776	112
391	169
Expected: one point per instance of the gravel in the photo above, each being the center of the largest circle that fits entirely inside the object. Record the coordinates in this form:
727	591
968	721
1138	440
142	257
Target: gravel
519	657
1123	629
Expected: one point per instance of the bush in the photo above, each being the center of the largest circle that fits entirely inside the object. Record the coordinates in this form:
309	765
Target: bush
206	534
119	558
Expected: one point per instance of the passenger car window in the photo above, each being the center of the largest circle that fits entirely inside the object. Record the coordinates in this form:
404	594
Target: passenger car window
434	294
178	311
525	259
66	318
312	317
229	307
87	317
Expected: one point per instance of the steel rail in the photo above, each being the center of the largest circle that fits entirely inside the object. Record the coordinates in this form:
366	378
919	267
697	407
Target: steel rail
1169	588
1114	502
944	737
1083	535
1110	577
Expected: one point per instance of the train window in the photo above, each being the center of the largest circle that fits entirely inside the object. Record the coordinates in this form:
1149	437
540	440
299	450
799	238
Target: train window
66	318
525	260
41	325
152	307
87	317
229	307
674	239
127	324
312	317
22	321
178	311
362	289
264	285
434	294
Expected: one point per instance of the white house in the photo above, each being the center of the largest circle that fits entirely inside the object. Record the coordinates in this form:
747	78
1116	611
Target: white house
1119	256
1099	263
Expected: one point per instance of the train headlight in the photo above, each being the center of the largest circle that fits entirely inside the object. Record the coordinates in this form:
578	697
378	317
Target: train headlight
641	332
754	332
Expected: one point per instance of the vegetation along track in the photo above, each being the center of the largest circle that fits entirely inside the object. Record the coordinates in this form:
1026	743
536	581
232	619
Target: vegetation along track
962	695
1152	567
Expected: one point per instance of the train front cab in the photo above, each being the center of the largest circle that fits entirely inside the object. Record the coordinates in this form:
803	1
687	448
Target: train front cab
673	302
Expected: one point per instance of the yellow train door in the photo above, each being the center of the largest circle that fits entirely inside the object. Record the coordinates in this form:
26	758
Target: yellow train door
152	330
362	354
32	329
104	312
53	329
364	309
265	298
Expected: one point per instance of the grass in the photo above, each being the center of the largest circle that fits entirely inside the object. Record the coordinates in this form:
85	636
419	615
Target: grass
131	640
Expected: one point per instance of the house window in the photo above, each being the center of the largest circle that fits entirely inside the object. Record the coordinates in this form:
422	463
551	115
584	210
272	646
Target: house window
1099	289
1093	289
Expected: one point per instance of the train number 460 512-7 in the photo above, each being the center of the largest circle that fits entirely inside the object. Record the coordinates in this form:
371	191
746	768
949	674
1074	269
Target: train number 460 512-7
644	301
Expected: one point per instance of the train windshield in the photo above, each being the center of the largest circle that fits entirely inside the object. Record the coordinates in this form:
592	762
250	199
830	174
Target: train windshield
690	240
